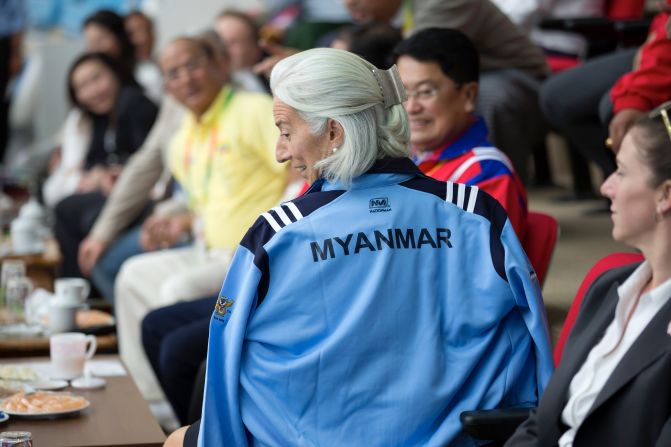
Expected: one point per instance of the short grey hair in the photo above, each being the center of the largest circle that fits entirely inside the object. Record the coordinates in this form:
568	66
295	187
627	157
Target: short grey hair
325	83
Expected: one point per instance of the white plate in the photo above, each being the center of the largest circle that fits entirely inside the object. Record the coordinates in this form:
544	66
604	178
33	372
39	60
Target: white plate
21	330
49	415
89	383
45	414
48	385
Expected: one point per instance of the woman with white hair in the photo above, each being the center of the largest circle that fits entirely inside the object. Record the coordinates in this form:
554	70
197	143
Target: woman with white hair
348	314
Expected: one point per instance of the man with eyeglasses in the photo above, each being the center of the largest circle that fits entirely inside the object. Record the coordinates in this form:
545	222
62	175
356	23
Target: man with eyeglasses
512	66
222	156
440	69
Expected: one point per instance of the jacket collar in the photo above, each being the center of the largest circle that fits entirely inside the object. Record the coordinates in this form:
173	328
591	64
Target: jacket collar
577	355
599	311
394	166
653	342
395	170
474	136
211	115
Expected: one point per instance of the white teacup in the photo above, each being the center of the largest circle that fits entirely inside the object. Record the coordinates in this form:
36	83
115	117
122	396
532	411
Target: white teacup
62	315
68	354
74	290
26	236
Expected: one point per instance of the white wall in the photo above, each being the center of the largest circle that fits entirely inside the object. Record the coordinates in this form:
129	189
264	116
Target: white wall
177	17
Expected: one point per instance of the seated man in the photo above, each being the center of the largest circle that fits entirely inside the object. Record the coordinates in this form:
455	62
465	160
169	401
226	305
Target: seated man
604	96
240	35
174	339
528	15
440	69
512	66
140	30
348	315
222	157
107	245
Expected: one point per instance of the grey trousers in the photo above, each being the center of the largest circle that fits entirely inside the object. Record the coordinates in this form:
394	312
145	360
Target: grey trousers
508	101
577	104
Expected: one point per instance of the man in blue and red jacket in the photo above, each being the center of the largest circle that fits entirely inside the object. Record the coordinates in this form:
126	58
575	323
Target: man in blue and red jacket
440	70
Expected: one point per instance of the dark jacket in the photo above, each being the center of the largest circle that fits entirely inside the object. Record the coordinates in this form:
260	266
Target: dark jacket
634	406
131	121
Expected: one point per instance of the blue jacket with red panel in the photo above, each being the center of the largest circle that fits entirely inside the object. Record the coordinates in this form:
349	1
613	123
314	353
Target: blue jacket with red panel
471	159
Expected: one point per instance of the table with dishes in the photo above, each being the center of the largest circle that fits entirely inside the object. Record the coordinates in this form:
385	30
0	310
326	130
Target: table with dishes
40	265
103	408
29	314
25	340
30	241
72	395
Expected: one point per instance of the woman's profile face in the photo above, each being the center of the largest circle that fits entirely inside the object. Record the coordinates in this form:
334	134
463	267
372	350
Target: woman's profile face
296	143
96	87
100	40
633	200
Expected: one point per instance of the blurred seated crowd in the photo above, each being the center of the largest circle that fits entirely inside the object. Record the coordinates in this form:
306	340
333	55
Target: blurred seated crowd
228	157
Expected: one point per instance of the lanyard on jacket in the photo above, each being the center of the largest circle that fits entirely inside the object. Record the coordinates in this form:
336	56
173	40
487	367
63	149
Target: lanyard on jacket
212	148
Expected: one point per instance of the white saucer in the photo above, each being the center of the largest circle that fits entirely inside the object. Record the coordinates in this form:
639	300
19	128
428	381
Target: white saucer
88	383
21	330
50	385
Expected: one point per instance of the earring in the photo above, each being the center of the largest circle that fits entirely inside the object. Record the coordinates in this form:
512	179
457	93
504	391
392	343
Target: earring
659	215
335	148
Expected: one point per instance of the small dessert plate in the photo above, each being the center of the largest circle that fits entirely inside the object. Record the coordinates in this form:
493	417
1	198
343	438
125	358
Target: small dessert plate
48	385
89	383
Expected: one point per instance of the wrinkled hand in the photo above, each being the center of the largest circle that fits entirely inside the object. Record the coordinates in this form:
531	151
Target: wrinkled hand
620	124
276	53
163	231
90	251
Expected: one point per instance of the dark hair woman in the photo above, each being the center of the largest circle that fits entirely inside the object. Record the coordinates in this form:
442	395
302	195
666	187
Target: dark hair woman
110	120
105	32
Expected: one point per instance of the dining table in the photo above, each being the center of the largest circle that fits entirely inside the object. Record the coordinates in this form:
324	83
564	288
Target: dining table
41	267
38	344
117	415
32	340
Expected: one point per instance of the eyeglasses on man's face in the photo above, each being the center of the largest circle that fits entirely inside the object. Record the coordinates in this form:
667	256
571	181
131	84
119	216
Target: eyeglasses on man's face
189	67
424	93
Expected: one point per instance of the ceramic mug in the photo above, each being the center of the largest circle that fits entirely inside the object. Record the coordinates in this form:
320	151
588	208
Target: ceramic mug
62	315
68	354
72	290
